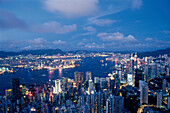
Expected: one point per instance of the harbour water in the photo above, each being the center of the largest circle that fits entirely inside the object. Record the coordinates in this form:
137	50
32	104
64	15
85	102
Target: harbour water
98	66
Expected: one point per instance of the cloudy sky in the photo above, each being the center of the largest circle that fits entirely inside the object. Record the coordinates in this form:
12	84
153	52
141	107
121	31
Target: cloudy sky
113	25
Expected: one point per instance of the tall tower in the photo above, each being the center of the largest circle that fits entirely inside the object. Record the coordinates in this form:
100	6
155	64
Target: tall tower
112	84
102	82
97	83
143	92
90	86
15	88
168	102
130	79
115	104
164	81
153	70
57	86
138	76
78	76
88	75
132	69
159	99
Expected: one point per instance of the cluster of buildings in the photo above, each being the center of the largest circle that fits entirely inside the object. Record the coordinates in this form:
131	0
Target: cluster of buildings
11	64
135	85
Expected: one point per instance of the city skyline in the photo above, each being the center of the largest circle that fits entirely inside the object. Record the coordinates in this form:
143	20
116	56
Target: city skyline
103	82
129	25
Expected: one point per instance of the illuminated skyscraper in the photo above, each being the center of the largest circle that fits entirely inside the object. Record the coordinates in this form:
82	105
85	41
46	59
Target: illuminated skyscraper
57	88
143	92
90	86
88	75
112	84
167	71
146	72
153	72
78	76
115	104
159	99
130	79
97	83
96	79
102	82
168	102
164	81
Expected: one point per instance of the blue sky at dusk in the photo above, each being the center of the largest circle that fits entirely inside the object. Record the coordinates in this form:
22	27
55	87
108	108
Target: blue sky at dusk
112	25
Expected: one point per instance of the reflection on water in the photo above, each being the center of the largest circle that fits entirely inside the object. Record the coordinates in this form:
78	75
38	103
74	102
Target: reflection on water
60	72
50	72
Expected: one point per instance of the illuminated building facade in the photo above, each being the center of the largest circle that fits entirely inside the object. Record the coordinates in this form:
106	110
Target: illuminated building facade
143	92
78	76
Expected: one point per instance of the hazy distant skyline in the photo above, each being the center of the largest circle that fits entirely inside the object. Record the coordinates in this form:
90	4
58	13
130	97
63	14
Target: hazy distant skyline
113	25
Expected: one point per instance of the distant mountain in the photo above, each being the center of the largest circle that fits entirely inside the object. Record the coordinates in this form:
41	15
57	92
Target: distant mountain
80	51
58	51
33	52
42	52
5	54
154	53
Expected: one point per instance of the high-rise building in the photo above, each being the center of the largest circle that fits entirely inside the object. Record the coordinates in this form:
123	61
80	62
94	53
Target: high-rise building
168	102
112	84
143	92
146	72
164	81
15	88
167	71
153	72
132	66
159	99
88	75
138	76
130	79
96	79
23	89
97	83
115	104
57	88
78	76
90	89
102	82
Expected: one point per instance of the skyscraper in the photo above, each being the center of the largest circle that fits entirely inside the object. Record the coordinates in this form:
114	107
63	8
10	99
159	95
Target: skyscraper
132	66
164	81
112	84
88	75
143	92
15	89
57	88
153	73
78	76
130	79
97	83
168	102
159	99
115	104
90	86
138	76
102	82
146	72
